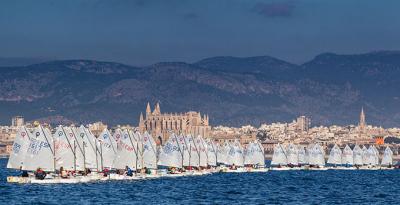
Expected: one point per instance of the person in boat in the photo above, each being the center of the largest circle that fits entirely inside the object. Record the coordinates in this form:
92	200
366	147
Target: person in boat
128	171
147	170
63	173
40	174
23	173
233	167
106	172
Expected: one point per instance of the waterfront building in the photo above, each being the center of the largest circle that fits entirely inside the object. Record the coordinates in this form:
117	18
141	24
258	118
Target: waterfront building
17	121
159	125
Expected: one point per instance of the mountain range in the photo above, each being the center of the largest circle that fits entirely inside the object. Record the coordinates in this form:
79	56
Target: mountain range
233	91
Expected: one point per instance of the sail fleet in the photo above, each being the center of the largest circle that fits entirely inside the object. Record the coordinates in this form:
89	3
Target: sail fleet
77	150
292	157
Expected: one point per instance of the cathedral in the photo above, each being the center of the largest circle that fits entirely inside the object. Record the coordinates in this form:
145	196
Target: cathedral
159	125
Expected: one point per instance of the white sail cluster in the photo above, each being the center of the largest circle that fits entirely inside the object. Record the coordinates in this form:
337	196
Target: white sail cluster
187	151
77	149
291	155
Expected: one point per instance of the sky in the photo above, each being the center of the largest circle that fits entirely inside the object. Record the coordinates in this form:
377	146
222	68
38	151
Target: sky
143	32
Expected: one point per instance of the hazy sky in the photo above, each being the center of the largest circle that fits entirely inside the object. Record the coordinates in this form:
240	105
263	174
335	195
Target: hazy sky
144	31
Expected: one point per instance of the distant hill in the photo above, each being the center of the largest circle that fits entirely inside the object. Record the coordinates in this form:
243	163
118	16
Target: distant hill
331	88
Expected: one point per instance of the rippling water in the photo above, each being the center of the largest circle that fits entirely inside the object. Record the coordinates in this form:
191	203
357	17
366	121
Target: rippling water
294	187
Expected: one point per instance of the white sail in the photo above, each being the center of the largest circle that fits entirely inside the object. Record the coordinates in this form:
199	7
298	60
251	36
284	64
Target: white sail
211	153
19	148
347	156
376	154
108	148
279	156
387	159
292	154
371	156
365	155
40	152
335	156
254	154
357	155
125	155
201	151
235	155
302	155
188	152
194	153
317	156
137	140
249	154
223	153
64	149
88	147
149	151
73	132
170	154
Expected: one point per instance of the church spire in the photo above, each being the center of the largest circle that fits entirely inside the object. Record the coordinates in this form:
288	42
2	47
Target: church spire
362	124
141	117
158	108
148	109
362	118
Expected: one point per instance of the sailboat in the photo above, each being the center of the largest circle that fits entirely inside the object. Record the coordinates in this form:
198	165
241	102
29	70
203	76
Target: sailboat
108	149
18	153
40	151
347	157
303	159
201	149
19	149
357	156
335	156
365	155
235	157
223	154
211	153
317	158
371	159
65	153
171	155
254	157
279	158
89	148
292	156
387	159
149	152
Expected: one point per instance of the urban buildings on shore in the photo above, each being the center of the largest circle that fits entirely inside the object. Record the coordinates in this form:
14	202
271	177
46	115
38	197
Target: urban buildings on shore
299	131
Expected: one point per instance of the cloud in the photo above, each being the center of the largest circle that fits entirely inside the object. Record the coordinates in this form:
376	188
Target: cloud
277	9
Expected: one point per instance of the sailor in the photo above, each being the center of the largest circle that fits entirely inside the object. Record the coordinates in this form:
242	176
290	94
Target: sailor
40	174
63	173
147	170
106	172
233	167
23	173
128	171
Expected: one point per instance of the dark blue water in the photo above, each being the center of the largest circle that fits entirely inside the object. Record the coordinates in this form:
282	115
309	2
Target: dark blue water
294	187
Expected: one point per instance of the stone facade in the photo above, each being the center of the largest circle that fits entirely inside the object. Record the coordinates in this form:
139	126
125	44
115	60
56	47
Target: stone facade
159	125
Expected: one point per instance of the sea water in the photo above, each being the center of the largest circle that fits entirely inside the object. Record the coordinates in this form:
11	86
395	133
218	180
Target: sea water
274	187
